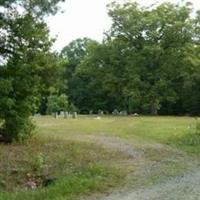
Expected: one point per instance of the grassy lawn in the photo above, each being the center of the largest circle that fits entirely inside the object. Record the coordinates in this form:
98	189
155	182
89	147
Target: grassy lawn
78	157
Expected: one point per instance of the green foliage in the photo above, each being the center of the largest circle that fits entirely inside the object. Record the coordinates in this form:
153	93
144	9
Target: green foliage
52	76
193	137
74	53
57	103
59	169
149	62
86	181
25	55
17	128
38	162
197	132
72	108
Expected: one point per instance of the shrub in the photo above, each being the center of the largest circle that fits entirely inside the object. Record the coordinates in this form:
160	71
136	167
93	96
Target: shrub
38	162
16	128
57	103
193	137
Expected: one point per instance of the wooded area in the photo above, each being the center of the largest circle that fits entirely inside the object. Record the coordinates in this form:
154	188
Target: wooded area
149	62
92	121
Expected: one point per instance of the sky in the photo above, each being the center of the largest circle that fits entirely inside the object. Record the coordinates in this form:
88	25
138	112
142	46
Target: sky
87	18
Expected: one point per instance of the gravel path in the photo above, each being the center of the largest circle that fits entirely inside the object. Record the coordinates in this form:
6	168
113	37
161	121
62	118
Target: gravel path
112	143
186	187
117	144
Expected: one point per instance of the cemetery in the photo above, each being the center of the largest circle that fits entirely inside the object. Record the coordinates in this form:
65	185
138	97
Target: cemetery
99	100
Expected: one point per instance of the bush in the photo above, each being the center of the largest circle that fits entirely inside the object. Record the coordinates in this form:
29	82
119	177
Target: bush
193	137
197	132
38	162
57	103
16	128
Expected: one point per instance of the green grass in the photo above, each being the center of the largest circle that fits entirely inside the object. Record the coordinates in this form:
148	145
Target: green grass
64	151
166	130
74	167
93	178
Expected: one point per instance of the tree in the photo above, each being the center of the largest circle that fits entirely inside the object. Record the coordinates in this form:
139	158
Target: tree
87	91
74	53
53	79
24	47
57	103
156	42
148	62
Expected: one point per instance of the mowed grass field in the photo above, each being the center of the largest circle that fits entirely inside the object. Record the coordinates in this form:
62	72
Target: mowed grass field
86	157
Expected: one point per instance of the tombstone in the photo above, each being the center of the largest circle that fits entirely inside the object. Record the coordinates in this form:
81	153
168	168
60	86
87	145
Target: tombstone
66	115
123	113
91	112
135	115
115	112
74	115
100	112
37	115
70	115
55	114
62	113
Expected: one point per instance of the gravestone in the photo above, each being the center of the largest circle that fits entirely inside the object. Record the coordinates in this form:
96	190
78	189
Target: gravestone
74	115
37	115
135	115
123	113
55	114
115	112
91	112
100	112
62	113
66	115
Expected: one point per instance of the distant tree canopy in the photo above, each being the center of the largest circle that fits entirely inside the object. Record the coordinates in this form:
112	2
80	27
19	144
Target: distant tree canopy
25	63
149	62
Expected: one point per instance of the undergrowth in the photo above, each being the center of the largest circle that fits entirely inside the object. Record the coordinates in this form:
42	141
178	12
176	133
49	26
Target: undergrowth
193	136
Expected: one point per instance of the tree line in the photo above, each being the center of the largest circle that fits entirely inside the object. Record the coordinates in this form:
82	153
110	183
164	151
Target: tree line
149	62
